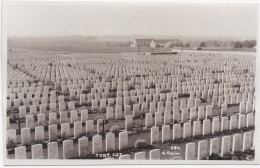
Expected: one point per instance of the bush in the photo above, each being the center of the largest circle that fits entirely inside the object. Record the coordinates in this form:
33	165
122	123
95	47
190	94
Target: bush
140	144
214	156
115	129
10	144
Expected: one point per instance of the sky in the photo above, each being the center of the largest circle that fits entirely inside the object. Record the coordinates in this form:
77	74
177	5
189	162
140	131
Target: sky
88	19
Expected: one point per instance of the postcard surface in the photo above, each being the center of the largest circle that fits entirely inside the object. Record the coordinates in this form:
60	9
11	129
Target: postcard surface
87	83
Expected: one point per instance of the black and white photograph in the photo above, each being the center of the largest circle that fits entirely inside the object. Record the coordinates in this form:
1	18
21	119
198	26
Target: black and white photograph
88	82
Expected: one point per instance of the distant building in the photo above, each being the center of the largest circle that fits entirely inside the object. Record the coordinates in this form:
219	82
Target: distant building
156	43
141	43
166	43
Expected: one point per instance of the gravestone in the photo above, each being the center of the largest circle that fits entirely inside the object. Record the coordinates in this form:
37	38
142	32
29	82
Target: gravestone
82	99
20	152
183	104
233	122
184	115
201	113
41	119
94	104
33	110
74	116
167	117
140	156
25	136
62	107
158	119
190	151
129	122
53	150
53	107
155	138
37	152
109	113
148	120
160	107
123	140
64	117
84	115
65	130
206	127
224	124
247	141
176	115
237	143
202	149
190	102
99	125
214	146
29	121
155	154
68	149
22	111
193	114
52	118
53	132
77	129
214	101
225	145
215	125
126	100
223	110
103	104
241	121
11	136
83	147
127	110
110	142
196	128
177	132
118	113
124	157
166	134
249	120
90	131
97	144
168	106
208	111
187	130
152	108
39	134
242	108
249	106
136	111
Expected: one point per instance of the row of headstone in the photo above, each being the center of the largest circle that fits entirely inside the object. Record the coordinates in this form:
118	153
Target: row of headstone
220	146
204	127
45	99
167	83
68	147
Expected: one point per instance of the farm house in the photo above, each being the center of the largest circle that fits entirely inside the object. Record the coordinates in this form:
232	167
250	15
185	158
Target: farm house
141	43
165	43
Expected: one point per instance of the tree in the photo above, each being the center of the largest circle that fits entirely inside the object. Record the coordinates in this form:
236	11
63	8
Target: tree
202	44
187	44
238	44
249	43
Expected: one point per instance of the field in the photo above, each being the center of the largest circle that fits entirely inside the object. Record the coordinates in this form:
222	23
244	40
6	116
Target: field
77	104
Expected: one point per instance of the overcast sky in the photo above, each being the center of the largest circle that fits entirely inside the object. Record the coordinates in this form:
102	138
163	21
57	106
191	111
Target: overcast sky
59	19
